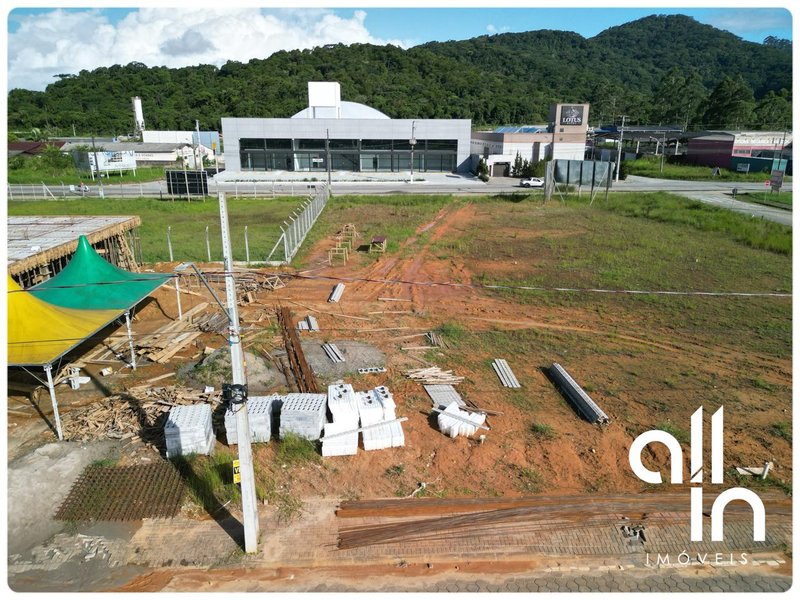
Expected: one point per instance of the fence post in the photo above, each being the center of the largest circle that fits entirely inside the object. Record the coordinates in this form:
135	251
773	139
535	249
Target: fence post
246	246
236	188
254	189
141	190
169	242
208	245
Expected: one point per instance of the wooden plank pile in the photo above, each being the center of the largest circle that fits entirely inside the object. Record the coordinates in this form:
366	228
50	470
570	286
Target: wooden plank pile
133	416
434	375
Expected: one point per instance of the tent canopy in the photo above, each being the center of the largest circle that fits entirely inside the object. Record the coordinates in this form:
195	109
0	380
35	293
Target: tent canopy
40	333
91	282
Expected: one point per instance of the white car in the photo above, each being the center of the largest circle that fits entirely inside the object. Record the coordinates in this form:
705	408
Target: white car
532	182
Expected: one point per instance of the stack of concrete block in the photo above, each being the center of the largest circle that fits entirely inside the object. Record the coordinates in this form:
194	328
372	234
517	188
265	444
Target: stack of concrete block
303	415
343	404
386	435
387	402
188	430
259	413
460	423
340	445
370	409
375	407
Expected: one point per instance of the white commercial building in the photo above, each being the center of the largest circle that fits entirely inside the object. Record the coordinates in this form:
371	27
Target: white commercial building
564	137
347	136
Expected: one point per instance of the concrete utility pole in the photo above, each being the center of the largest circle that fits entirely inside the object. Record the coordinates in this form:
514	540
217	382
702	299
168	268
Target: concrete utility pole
328	154
197	128
249	506
412	142
619	150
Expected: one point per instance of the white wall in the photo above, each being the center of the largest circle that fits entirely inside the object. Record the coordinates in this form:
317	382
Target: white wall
167	137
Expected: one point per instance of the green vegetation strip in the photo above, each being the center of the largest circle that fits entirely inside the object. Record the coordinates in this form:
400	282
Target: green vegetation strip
188	220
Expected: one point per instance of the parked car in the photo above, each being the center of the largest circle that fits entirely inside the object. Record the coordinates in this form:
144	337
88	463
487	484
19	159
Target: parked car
532	182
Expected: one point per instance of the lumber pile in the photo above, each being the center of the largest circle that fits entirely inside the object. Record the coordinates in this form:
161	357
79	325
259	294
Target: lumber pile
139	414
434	375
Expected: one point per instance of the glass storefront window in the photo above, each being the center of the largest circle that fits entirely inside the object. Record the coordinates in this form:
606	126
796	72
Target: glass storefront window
376	144
310	144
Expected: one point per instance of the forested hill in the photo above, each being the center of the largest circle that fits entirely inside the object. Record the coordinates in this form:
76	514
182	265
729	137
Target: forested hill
667	69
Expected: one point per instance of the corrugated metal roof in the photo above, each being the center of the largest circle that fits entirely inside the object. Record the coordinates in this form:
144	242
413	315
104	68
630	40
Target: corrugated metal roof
125	146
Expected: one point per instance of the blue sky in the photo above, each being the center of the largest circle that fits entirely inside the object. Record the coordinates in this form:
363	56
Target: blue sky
45	42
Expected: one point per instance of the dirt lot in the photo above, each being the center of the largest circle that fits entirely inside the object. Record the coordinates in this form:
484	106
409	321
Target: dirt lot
648	361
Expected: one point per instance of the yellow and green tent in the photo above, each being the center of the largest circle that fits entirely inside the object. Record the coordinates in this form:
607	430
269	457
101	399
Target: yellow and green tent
40	333
91	282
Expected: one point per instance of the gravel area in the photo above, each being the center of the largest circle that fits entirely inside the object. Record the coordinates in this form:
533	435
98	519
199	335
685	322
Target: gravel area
358	355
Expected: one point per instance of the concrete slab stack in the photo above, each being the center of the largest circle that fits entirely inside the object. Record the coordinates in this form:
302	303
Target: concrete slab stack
387	402
387	435
188	430
259	412
343	404
454	421
340	445
303	415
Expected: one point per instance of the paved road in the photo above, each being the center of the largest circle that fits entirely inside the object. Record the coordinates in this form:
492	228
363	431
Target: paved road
717	193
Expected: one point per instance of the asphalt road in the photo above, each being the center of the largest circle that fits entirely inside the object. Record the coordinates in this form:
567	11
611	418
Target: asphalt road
717	193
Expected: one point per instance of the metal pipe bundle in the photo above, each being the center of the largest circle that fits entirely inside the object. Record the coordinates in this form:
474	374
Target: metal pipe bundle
575	394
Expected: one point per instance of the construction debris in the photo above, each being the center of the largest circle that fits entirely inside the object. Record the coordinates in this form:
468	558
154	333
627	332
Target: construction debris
259	414
308	324
576	396
504	372
367	370
333	353
756	471
454	422
136	414
304	376
337	292
303	415
435	339
444	395
434	375
188	430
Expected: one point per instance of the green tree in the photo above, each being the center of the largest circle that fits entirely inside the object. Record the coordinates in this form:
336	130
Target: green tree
516	168
730	105
773	111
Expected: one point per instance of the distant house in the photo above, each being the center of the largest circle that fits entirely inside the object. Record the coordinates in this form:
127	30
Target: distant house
30	148
146	154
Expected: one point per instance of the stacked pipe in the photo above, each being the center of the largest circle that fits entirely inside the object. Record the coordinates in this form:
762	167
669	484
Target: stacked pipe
575	394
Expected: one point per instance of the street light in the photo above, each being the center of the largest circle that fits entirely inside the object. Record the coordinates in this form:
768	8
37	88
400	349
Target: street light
412	142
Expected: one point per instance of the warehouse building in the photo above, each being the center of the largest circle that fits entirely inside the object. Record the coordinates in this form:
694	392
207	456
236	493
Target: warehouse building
347	136
761	150
564	137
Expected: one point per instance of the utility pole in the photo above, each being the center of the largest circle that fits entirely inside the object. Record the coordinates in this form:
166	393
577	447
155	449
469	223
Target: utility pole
328	154
197	128
239	390
619	150
663	149
412	142
97	167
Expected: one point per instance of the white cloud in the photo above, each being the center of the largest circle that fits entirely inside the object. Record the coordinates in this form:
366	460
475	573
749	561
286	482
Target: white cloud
69	41
741	21
491	28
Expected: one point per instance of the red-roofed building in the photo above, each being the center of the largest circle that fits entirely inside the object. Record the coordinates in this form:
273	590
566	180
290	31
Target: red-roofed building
30	148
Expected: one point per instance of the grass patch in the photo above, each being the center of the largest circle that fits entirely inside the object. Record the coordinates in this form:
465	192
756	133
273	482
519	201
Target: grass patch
188	221
394	472
294	450
759	383
782	429
452	332
209	479
543	431
782	199
35	171
650	166
529	480
677	432
668	208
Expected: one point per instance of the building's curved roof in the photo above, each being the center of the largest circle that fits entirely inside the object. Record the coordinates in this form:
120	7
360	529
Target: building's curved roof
350	110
